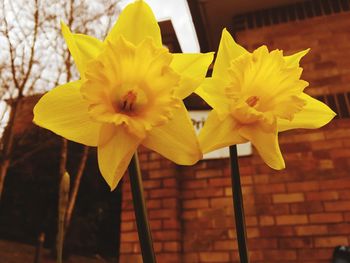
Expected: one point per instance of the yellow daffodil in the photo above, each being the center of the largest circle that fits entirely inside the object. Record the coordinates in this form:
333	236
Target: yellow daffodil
130	93
254	96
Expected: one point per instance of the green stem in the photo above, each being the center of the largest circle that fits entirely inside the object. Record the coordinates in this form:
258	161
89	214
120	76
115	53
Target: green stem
62	208
143	228
241	231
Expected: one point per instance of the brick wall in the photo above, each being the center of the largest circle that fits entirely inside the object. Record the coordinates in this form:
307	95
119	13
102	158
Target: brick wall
296	215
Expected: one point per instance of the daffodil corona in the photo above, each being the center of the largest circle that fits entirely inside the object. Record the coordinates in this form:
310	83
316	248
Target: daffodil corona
254	96
130	93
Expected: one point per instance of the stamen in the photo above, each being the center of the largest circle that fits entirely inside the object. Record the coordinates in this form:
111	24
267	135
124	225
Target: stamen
128	101
252	101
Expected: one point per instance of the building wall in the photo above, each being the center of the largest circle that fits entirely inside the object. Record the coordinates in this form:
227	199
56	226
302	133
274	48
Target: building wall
296	215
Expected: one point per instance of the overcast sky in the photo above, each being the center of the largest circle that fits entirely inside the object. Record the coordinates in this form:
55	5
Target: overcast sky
179	13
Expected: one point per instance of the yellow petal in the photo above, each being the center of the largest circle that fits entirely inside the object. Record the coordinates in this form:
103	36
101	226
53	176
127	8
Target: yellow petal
135	23
266	144
175	140
228	51
212	91
63	111
314	115
293	60
82	47
193	69
218	133
115	153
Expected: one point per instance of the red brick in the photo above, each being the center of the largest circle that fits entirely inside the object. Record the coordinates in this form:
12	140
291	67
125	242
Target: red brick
307	207
311	230
208	173
246	180
169	257
195	203
324	196
337	206
161	193
270	188
151	165
266	220
288	198
277	231
171	246
221	202
261	179
337	153
153	204
303	186
166	235
265	243
228	191
189	215
251	220
128	216
161	213
194	184
214	257
344	194
170	202
220	182
347	217
291	220
126	248
337	133
287	243
331	242
209	192
309	137
336	184
129	237
326	218
150	184
287	255
339	229
172	223
277	209
169	182
191	257
253	232
327	144
128	226
315	254
225	245
161	173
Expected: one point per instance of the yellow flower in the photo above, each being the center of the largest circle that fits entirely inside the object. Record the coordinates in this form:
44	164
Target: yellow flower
130	93
254	96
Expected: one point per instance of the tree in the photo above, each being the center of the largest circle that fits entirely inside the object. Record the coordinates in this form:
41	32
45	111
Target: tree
34	57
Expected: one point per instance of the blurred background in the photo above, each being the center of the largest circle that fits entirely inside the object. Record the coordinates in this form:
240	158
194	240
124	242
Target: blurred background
298	215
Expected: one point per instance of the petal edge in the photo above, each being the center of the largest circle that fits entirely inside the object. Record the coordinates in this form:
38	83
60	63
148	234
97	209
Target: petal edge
63	111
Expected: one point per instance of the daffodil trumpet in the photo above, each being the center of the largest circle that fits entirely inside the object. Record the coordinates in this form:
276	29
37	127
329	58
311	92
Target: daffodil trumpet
255	96
130	93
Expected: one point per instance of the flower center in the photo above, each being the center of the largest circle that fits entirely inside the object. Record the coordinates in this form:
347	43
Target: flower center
252	101
128	101
131	101
132	85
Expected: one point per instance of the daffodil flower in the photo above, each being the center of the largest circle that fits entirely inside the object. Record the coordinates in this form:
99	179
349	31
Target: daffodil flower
130	93
254	96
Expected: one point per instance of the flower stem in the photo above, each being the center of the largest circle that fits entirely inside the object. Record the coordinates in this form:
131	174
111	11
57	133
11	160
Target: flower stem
143	228
238	206
62	209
